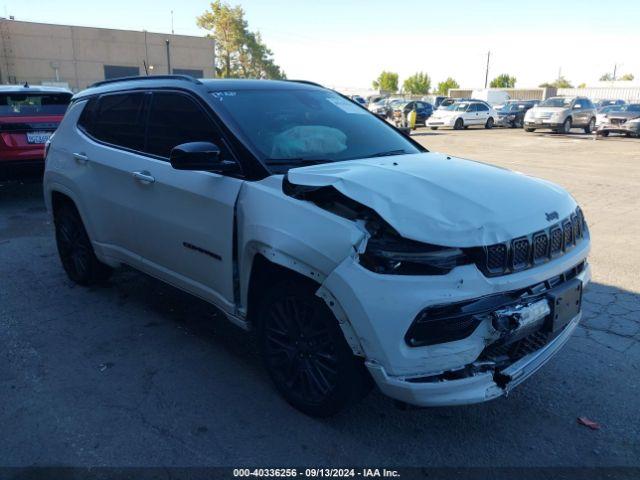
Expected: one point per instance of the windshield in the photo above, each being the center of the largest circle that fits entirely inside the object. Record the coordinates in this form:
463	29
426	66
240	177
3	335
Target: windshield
24	104
513	107
457	107
633	107
556	102
288	128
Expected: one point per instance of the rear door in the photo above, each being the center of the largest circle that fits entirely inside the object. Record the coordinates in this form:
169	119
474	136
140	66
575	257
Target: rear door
185	221
112	130
483	113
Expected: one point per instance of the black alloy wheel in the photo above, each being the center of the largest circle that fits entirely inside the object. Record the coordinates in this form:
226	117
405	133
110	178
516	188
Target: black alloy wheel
75	249
305	352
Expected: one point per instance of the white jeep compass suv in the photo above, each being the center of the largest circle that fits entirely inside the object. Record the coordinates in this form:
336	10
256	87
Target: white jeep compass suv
356	255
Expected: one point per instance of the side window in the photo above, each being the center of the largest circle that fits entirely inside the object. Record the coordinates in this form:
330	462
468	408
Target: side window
472	107
482	107
116	119
175	119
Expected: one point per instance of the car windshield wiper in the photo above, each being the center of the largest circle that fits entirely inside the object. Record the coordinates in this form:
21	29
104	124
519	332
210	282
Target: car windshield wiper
300	161
388	154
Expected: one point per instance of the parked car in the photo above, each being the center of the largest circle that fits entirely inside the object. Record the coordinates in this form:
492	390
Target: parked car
446	102
625	119
359	99
423	111
561	114
511	114
356	255
601	113
384	108
462	115
28	117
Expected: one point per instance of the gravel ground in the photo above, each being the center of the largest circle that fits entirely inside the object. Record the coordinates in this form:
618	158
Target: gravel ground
137	373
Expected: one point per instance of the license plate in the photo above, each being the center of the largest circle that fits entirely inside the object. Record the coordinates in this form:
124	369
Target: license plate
38	137
565	302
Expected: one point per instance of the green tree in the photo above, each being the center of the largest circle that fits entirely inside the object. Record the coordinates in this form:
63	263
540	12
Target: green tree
416	84
582	85
627	76
503	81
240	53
560	82
444	87
386	81
607	77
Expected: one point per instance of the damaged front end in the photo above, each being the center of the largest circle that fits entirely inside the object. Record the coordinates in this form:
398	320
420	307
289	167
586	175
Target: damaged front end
447	325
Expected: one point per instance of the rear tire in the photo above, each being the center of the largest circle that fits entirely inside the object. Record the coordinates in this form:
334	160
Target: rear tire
489	123
529	130
305	352
458	125
604	134
433	128
75	249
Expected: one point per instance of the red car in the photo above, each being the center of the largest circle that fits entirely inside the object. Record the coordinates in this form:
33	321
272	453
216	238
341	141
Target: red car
28	117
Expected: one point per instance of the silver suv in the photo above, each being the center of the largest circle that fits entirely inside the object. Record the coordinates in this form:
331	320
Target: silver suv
561	114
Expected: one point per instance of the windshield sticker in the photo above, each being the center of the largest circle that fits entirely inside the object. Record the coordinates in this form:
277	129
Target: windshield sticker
346	106
221	95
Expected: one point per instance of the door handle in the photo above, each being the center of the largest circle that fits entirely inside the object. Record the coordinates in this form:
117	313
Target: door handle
144	177
81	158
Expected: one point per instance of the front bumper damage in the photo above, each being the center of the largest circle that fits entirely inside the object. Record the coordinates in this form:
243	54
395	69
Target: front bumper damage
380	310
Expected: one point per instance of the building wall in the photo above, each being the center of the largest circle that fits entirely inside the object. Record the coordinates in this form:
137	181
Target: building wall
42	53
538	93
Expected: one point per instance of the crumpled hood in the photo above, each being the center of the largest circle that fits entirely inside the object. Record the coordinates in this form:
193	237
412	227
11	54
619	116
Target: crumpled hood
623	115
443	200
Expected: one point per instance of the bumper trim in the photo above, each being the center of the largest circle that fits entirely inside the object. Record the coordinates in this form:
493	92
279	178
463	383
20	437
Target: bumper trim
477	388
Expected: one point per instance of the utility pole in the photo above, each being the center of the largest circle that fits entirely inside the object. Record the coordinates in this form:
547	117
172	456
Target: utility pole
168	57
615	68
171	22
486	74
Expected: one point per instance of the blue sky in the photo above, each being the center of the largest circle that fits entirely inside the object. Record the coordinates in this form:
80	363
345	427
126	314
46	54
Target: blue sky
346	43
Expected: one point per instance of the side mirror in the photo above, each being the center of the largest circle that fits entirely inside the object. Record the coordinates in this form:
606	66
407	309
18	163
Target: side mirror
204	156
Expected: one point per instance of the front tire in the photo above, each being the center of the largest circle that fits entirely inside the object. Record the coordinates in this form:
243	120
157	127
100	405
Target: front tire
75	249
489	123
566	126
591	126
459	124
529	130
305	352
433	128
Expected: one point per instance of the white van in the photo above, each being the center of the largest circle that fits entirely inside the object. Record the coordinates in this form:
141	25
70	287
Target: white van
491	95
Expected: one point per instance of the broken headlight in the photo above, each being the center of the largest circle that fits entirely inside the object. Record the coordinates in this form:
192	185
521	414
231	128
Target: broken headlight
399	256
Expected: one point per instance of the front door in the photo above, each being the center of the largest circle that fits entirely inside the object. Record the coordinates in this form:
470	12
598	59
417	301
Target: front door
186	218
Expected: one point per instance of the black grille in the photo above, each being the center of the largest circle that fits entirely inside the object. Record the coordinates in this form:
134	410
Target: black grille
567	233
520	254
540	247
497	258
556	240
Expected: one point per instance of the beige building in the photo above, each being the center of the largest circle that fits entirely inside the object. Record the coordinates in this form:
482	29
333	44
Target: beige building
76	57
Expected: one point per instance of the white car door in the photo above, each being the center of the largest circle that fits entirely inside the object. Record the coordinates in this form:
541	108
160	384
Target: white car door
483	113
185	219
111	130
470	115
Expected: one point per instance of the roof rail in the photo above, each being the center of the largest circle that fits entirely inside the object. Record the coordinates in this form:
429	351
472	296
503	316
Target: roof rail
187	78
